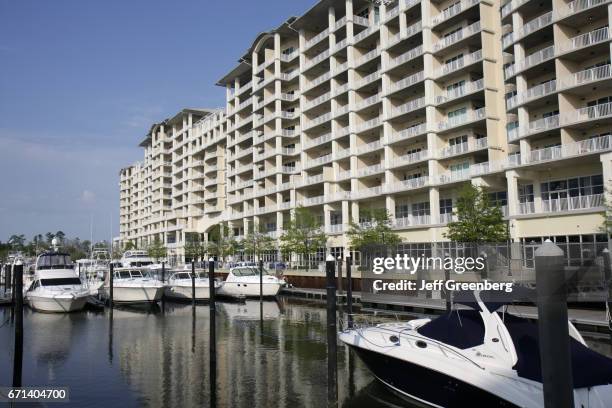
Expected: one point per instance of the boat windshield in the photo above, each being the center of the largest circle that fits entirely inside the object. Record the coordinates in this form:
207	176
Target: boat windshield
131	274
54	261
60	281
248	271
141	263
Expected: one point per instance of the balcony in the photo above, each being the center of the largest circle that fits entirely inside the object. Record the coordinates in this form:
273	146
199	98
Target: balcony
568	150
455	37
453	11
532	93
367	102
584	40
339	45
367	192
362	21
365	33
309	181
369	147
316	60
318	141
410	158
577	6
408	133
368	79
461	148
410	31
340	23
573	203
319	161
370	170
334	229
341	154
408	81
408	107
316	39
510	6
367	125
463	90
586	77
459	120
313	201
405	57
326	117
534	59
454	176
535	24
587	113
368	56
289	57
412	220
460	63
540	125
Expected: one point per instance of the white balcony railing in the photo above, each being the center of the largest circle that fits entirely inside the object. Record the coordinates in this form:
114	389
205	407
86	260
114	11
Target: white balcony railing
368	124
457	36
458	120
408	81
408	107
370	147
586	76
370	170
453	11
600	111
465	89
532	93
584	40
573	203
407	56
540	125
369	101
314	40
409	132
536	58
457	64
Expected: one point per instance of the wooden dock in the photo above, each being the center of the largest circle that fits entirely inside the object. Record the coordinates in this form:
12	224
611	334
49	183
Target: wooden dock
592	320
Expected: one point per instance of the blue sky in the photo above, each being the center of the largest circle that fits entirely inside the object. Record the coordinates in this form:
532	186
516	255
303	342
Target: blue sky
82	80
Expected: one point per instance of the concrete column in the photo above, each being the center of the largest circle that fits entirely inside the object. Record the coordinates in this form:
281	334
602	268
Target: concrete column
390	205
513	195
355	211
434	205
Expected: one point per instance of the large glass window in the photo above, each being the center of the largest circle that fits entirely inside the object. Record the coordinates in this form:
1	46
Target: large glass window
526	193
402	211
574	187
419	209
446	206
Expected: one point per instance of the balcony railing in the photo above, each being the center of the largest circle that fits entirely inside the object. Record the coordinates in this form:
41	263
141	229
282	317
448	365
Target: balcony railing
574	149
535	92
411	158
369	170
408	81
453	11
457	36
509	7
459	63
369	101
408	184
469	116
367	79
318	120
320	57
341	154
313	200
369	147
367	192
408	107
319	140
573	203
584	40
458	92
314	40
368	124
600	111
536	58
318	161
577	6
365	33
410	220
586	76
407	56
368	56
540	125
535	24
410	132
318	100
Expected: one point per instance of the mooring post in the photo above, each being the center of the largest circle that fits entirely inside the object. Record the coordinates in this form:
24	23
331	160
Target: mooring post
111	278
7	277
18	355
213	334
349	292
447	293
553	327
163	277
260	281
607	280
193	295
332	358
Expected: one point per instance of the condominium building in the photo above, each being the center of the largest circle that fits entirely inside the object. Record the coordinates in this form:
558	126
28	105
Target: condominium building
358	105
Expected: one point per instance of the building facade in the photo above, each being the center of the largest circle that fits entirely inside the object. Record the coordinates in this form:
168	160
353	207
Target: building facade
358	105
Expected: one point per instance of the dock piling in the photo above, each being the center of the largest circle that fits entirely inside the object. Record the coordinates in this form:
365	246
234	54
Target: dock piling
193	294
447	293
111	278
349	292
332	357
553	328
260	281
213	334
163	272
18	293
608	282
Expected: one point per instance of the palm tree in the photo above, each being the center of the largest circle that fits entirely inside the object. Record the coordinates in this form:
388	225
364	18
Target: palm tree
49	237
17	241
61	236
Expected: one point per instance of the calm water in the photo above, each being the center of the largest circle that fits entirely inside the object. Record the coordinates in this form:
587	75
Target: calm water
150	357
161	358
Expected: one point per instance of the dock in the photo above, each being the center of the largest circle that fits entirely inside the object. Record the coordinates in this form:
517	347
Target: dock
591	320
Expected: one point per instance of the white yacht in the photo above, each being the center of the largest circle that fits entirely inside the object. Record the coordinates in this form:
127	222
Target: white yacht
134	285
479	356
136	258
55	287
179	286
244	281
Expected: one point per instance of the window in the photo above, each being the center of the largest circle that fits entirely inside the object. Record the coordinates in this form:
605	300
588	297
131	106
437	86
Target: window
551	113
456	85
455	58
412	176
525	193
365	13
460	167
499	198
446	206
413	150
60	282
575	187
420	209
288	51
457	113
446	10
457	140
402	211
456	30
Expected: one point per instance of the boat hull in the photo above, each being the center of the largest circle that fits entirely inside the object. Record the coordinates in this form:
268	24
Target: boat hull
56	304
136	294
426	385
249	289
185	293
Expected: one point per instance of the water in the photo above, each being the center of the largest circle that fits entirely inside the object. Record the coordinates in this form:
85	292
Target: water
154	358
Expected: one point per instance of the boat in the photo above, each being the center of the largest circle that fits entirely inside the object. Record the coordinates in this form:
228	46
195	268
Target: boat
179	286
55	287
136	258
244	281
478	355
134	285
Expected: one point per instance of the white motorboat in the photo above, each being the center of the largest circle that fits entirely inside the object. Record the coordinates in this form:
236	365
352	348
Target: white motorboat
55	287
134	285
474	357
179	286
244	281
136	258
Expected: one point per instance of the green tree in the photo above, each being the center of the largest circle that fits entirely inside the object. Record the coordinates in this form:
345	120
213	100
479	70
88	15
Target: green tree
129	246
257	241
157	250
478	219
49	237
195	247
376	231
17	242
221	242
303	235
60	236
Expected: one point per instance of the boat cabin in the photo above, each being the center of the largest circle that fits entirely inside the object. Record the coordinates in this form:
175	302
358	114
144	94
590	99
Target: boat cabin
249	271
54	260
131	274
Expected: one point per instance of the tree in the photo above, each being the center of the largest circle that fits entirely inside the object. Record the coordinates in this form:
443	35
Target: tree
157	250
129	246
221	242
17	242
606	226
478	219
60	236
376	231
49	236
303	235
195	247
257	241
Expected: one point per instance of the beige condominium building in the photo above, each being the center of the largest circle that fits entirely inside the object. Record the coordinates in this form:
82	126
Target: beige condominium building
358	105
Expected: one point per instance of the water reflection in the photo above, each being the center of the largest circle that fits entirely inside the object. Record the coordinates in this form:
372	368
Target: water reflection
146	357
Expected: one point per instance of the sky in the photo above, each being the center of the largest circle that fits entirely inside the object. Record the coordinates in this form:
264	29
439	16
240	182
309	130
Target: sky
81	81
